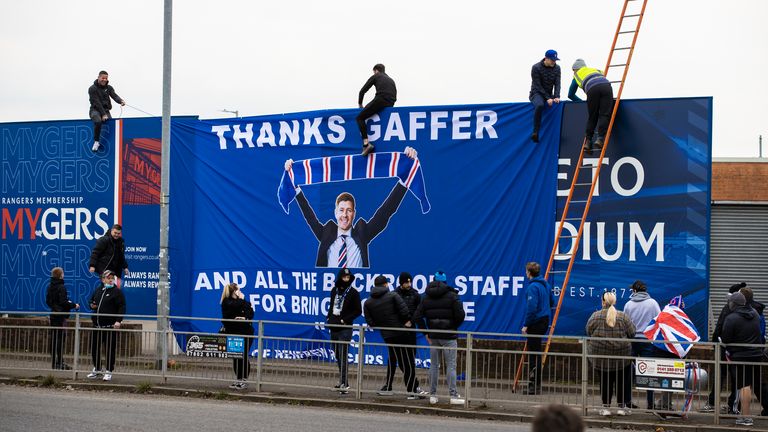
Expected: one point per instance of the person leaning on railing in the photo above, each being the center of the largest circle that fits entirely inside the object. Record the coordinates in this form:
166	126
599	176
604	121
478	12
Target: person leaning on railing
610	323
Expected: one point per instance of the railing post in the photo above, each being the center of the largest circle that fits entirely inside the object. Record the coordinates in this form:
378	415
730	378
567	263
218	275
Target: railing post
716	404
76	360
584	376
468	372
165	333
259	350
360	361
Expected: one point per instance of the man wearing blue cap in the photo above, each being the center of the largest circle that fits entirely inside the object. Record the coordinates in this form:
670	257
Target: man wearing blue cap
545	88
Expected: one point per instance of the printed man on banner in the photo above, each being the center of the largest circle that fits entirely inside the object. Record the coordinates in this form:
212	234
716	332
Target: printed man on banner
344	243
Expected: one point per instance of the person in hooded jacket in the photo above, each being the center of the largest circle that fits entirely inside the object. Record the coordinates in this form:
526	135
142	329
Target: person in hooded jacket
109	254
386	309
238	320
641	309
539	301
56	298
344	309
99	95
742	326
412	300
441	309
108	305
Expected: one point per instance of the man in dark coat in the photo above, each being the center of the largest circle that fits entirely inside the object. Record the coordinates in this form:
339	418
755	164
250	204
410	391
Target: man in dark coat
388	310
99	94
412	300
342	311
441	309
109	254
386	95
56	298
108	305
545	88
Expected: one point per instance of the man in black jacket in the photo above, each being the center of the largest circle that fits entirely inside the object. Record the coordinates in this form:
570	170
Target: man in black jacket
441	309
545	88
343	310
412	300
108	305
99	94
386	95
56	298
109	254
386	309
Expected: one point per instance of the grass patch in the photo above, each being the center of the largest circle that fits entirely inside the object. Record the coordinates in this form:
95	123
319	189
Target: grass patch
49	381
222	395
143	388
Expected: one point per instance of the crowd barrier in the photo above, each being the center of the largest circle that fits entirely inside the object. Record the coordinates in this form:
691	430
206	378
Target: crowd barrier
487	364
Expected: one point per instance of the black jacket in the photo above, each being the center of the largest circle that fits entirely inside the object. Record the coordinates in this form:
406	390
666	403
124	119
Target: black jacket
350	308
385	87
99	96
107	301
411	298
440	309
56	299
232	308
742	326
543	79
108	254
717	332
386	309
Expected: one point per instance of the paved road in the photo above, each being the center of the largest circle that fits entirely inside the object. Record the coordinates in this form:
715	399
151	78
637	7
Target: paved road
32	409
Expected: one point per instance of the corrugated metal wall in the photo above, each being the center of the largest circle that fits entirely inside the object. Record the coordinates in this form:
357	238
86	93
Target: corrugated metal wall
738	253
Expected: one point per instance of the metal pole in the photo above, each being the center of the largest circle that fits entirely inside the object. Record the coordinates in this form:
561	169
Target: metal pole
761	145
584	376
468	372
360	361
165	159
259	350
716	404
77	346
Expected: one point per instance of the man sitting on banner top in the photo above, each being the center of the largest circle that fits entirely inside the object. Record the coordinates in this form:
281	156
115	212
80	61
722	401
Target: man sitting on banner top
344	243
545	88
386	95
99	95
599	102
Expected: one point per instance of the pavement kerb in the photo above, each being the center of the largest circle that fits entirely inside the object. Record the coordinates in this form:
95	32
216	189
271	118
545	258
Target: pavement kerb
265	397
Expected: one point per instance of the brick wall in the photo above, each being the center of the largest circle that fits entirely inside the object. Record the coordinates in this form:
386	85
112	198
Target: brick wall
740	181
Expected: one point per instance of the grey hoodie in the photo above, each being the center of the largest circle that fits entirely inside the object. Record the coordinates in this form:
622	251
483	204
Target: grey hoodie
641	309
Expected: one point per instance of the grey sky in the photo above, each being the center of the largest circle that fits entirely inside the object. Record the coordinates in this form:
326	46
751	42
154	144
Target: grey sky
296	55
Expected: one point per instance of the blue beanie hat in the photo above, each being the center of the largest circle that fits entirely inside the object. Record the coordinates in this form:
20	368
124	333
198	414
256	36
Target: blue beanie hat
440	276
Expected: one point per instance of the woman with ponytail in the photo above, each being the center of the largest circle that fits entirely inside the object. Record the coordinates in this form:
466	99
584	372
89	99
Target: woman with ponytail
608	323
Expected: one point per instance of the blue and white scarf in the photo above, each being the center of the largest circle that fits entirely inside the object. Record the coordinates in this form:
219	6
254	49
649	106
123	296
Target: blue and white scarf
354	167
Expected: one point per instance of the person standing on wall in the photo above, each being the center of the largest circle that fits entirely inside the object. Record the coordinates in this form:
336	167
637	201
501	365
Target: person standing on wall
56	298
545	88
101	94
109	254
386	95
234	307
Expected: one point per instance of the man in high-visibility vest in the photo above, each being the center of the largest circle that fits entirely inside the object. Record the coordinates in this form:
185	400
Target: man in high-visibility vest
599	101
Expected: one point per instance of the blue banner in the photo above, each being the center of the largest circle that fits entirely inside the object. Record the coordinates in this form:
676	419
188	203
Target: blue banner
478	201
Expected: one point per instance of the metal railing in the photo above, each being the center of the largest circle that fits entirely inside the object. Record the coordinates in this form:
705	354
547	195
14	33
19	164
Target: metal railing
486	363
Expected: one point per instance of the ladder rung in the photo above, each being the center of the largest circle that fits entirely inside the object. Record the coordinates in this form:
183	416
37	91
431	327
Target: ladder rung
614	82
562	237
622	48
632	15
572	219
628	31
583	184
556	272
563	255
618	65
578	201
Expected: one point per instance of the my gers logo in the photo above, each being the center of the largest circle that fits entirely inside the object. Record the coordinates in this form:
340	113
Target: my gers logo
66	223
642	367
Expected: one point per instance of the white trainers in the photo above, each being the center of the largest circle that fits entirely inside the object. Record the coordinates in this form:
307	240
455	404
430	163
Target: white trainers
623	411
95	147
108	376
605	412
457	400
433	400
94	374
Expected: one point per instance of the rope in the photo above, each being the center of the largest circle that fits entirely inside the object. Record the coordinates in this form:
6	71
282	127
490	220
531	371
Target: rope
137	109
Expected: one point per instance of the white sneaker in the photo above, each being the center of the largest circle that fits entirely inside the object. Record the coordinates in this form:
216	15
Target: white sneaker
457	400
94	374
605	412
108	376
96	146
433	400
343	389
235	385
623	411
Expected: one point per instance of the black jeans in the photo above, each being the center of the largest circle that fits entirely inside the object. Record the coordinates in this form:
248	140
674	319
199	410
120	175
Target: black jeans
538	327
104	336
620	379
97	122
539	103
600	106
376	105
403	358
57	342
341	339
242	367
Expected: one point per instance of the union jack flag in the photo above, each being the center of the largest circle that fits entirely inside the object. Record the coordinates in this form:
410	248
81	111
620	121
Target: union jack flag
672	324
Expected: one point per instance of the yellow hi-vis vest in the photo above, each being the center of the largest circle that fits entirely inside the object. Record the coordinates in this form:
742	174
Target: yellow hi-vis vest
585	76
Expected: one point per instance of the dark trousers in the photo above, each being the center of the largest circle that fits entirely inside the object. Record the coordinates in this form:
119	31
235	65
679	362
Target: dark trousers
600	106
403	358
539	103
538	327
57	343
376	105
341	339
619	379
242	367
97	122
107	337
